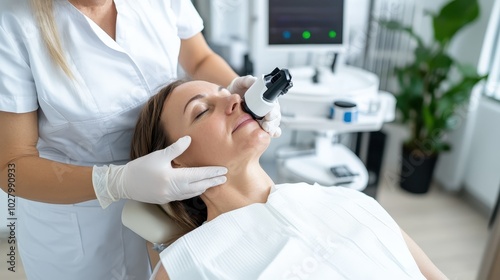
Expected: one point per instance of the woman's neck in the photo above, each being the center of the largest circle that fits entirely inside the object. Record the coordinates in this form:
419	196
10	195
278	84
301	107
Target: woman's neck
245	185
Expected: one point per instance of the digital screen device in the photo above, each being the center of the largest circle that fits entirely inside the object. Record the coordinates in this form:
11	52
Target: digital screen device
285	30
306	23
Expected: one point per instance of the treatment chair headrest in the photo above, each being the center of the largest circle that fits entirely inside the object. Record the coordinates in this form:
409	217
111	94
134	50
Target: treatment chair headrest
149	221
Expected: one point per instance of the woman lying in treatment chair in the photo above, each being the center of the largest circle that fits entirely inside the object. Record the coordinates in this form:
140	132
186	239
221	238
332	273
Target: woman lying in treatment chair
250	228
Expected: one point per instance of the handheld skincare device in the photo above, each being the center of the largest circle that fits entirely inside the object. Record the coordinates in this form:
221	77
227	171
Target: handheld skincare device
260	98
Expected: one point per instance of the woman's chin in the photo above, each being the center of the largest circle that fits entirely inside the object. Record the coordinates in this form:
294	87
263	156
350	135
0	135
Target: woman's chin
260	138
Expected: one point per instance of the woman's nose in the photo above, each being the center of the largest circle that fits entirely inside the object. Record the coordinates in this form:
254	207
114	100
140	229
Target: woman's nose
234	102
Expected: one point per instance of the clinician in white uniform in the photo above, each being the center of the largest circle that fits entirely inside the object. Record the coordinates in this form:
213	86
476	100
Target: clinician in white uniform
66	120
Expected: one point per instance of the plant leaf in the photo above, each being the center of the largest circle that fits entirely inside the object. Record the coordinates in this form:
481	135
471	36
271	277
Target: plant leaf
441	61
453	17
460	91
422	54
467	70
439	69
441	146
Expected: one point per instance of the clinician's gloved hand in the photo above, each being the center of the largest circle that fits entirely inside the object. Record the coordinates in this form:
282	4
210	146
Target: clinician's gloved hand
241	84
271	122
152	178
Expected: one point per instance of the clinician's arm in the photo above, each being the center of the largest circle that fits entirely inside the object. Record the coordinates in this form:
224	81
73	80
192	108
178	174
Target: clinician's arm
202	63
426	266
37	178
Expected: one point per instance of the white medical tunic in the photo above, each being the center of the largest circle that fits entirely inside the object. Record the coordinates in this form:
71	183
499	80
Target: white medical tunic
301	232
87	121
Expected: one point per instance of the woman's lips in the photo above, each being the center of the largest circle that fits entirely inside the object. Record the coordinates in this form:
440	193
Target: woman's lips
243	120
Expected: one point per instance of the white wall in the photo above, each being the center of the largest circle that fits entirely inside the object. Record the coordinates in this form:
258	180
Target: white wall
482	172
452	169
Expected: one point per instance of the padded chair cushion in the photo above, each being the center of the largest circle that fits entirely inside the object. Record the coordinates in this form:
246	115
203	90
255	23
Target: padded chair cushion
149	221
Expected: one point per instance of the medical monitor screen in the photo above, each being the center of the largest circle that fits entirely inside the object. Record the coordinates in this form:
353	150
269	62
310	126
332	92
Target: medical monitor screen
306	22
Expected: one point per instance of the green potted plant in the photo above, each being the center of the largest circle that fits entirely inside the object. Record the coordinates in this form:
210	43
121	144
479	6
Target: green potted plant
431	87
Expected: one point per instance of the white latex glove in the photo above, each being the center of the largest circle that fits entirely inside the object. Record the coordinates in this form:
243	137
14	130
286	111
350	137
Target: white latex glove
241	84
152	178
271	122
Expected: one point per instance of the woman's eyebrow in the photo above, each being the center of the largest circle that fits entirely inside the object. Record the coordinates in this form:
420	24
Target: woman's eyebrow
198	96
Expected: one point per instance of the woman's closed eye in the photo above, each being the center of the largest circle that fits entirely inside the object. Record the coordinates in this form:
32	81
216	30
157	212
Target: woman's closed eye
200	112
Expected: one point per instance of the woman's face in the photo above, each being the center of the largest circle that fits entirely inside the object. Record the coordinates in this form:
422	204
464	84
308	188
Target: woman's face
221	132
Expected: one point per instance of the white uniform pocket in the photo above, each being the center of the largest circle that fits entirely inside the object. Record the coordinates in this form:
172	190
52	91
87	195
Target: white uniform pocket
47	233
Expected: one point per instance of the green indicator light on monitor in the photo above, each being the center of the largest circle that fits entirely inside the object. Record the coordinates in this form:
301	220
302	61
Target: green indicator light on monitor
306	34
332	34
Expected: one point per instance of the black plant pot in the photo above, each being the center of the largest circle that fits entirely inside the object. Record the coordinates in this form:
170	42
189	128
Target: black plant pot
417	169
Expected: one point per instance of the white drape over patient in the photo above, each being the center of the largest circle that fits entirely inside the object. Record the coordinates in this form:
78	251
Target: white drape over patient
301	232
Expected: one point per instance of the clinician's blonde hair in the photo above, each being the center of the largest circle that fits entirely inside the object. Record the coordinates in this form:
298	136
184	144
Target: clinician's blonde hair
44	15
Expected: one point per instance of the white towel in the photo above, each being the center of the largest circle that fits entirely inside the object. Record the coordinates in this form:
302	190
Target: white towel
301	232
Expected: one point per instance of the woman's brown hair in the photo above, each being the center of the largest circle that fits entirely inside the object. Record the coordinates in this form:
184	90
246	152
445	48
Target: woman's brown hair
150	135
